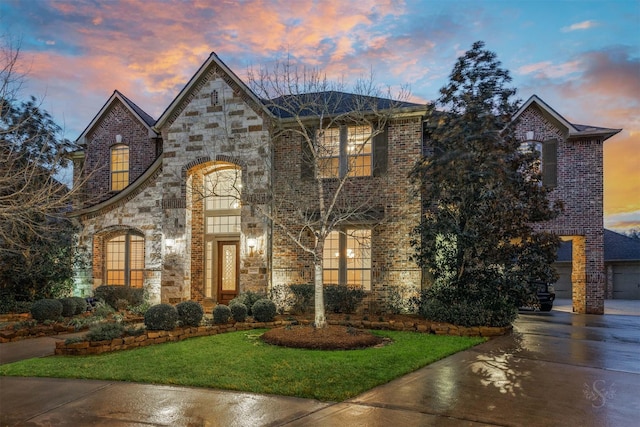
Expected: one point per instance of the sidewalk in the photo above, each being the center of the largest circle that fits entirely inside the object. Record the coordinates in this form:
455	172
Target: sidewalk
556	368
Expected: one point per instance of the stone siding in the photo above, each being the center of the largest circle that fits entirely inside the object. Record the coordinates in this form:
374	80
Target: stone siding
215	126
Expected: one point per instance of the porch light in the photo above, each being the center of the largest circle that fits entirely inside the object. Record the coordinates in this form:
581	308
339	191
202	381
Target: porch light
252	243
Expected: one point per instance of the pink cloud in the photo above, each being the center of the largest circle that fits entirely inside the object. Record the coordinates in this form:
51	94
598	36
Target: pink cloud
548	70
584	25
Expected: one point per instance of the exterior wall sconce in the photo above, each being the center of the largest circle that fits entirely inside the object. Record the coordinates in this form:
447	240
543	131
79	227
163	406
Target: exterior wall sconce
252	243
118	139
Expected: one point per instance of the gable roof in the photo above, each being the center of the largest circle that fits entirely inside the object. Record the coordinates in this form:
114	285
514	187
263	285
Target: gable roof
617	247
138	112
573	130
331	103
213	60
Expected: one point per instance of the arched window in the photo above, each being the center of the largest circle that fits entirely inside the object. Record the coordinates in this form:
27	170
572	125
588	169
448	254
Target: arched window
119	167
222	209
124	260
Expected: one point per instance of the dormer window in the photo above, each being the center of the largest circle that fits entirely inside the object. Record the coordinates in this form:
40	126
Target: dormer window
119	167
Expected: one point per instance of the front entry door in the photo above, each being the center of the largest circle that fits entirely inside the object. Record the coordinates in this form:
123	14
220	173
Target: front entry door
228	271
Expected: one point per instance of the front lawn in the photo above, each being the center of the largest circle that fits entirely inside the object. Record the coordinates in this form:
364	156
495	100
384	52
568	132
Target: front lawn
241	361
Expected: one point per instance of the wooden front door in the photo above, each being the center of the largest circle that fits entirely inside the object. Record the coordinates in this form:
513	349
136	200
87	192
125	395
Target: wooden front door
228	271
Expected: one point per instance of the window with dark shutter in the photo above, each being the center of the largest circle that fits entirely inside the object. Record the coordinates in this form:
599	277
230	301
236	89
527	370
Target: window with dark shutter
550	163
307	161
380	152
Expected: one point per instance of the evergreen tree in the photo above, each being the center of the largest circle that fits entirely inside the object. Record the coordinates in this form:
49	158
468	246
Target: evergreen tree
478	240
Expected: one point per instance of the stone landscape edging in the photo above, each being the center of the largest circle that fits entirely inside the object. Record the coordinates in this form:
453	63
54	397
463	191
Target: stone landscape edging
178	334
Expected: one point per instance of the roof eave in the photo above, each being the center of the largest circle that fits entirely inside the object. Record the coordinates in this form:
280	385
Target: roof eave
398	113
82	139
600	133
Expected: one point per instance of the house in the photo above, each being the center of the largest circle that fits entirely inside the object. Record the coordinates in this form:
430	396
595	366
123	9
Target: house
185	205
621	263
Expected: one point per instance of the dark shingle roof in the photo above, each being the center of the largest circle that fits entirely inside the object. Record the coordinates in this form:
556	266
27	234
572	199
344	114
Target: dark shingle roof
617	247
329	103
150	121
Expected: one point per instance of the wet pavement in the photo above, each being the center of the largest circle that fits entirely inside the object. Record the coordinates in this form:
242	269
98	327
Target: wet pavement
555	369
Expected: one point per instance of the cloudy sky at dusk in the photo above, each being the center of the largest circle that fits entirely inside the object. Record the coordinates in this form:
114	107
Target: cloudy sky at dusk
581	57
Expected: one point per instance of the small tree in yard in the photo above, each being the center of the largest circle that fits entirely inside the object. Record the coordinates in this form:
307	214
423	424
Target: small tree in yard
482	198
315	114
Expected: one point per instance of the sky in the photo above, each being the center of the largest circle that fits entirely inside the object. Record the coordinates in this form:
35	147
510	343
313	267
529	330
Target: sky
582	57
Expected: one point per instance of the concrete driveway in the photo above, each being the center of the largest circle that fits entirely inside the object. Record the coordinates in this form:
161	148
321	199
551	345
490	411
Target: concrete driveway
555	369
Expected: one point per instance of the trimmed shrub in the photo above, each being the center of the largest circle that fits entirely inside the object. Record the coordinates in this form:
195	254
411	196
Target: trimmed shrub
8	304
105	331
238	311
342	298
264	310
46	309
190	313
161	317
445	305
302	297
68	306
249	298
81	305
111	294
221	314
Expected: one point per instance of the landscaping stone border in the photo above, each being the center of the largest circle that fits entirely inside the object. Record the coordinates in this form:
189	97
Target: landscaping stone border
178	334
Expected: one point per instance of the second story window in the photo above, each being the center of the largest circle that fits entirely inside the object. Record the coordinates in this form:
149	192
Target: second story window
345	151
547	164
119	167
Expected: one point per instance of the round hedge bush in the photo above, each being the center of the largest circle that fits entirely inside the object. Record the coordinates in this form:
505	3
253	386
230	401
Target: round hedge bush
248	298
81	305
46	309
221	314
264	310
238	311
190	313
68	306
161	317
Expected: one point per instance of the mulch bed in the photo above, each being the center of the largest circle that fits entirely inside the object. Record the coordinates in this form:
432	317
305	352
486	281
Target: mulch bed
332	337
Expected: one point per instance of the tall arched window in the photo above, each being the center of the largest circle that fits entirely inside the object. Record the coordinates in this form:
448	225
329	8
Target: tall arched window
124	260
222	193
119	167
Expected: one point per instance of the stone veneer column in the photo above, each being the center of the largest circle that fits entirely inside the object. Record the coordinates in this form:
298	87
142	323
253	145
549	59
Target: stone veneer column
587	276
578	275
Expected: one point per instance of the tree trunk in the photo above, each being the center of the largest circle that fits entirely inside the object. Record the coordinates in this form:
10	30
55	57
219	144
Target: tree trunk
320	319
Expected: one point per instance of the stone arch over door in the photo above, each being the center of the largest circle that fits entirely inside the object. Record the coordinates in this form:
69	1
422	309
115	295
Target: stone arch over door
204	241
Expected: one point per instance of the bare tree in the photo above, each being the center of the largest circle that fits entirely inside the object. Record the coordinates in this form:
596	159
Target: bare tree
33	153
314	111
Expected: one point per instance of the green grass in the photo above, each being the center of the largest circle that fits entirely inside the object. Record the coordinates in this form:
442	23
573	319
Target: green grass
241	361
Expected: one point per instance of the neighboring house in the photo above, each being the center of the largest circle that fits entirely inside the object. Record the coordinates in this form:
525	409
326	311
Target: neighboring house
161	207
621	262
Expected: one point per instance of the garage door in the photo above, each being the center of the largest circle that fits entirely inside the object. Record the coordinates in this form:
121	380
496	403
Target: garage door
626	281
563	285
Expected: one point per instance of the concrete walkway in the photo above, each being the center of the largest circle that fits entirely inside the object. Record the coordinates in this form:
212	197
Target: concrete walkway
556	369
